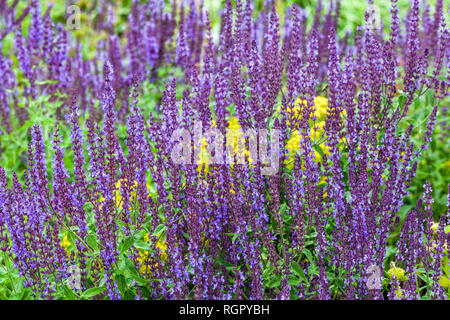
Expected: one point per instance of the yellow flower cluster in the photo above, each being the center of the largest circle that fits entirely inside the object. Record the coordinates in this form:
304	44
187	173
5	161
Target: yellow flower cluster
435	225
399	273
161	244
235	133
294	143
65	243
320	108
444	282
118	196
399	293
203	157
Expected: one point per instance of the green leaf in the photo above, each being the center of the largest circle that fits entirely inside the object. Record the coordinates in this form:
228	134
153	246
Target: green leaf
143	245
274	281
46	82
313	269
401	102
135	275
68	293
318	148
294	282
126	244
296	269
121	283
234	235
159	229
283	208
308	255
92	292
92	242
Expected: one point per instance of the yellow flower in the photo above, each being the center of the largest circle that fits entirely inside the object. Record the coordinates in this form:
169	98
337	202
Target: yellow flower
399	273
235	134
320	111
320	108
203	157
161	244
435	225
320	104
233	124
294	144
399	293
118	196
65	243
444	282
